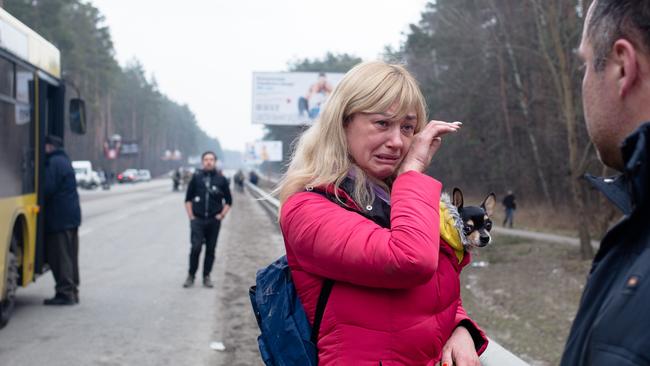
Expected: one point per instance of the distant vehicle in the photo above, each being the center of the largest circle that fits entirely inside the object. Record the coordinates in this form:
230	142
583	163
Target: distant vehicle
128	176
144	175
85	175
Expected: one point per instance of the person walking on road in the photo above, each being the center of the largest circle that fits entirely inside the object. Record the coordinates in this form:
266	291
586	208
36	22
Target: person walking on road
510	205
207	203
62	220
176	179
611	326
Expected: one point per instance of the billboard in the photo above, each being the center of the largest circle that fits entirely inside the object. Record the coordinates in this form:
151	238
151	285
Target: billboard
261	151
291	98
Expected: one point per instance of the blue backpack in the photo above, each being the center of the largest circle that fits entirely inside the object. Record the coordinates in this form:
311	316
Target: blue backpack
287	338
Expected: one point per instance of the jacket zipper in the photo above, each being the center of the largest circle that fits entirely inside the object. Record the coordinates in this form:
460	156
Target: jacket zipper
207	195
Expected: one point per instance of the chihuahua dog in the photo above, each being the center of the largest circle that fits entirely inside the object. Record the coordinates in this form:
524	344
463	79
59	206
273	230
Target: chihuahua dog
473	222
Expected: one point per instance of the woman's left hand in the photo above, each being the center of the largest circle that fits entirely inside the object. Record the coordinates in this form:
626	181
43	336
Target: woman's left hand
459	349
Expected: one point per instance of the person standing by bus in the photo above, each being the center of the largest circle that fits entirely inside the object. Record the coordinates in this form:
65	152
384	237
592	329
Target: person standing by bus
204	203
62	220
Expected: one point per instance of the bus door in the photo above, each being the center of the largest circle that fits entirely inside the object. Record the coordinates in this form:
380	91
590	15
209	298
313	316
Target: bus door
50	107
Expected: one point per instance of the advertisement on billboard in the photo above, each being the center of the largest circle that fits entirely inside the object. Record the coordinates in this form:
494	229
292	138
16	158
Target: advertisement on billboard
291	98
261	151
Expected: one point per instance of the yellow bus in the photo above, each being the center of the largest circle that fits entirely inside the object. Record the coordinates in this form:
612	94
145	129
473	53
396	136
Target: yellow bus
32	105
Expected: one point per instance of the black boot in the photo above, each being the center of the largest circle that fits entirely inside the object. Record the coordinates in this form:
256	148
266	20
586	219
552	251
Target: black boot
207	282
60	299
189	281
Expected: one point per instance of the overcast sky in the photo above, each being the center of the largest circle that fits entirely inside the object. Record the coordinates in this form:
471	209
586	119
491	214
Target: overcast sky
203	52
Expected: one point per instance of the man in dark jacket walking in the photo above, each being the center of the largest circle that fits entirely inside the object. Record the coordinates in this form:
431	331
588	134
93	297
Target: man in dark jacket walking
611	326
204	203
510	205
62	220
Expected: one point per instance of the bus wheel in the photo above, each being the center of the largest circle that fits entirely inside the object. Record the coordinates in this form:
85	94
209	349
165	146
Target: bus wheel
11	284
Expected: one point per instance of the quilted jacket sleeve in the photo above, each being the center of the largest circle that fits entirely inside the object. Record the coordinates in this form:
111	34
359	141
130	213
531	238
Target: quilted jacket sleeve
332	242
478	336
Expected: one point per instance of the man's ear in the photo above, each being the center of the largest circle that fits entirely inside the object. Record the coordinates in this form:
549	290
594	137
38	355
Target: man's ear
625	58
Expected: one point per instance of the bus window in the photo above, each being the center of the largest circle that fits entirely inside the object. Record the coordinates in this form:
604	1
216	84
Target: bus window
16	142
24	85
24	105
10	159
6	78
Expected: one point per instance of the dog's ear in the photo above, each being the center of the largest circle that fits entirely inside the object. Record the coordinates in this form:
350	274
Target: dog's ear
457	197
489	203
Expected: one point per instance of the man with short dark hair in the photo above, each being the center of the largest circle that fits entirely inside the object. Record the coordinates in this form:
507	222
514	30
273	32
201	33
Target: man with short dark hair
611	326
204	203
62	220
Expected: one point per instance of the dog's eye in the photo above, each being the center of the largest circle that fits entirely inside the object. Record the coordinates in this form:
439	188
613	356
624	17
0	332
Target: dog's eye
468	229
488	225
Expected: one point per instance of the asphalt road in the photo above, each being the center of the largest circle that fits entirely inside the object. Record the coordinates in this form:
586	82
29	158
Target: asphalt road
134	246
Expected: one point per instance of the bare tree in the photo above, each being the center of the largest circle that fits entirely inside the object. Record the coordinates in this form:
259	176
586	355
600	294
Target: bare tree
522	98
557	60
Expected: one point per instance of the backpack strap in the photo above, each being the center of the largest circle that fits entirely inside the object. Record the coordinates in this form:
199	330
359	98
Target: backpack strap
325	292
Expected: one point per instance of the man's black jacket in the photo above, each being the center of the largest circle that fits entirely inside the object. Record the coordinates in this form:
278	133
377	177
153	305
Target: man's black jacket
207	191
62	211
612	326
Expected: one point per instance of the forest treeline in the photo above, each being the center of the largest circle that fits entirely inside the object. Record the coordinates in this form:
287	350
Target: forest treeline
507	69
119	100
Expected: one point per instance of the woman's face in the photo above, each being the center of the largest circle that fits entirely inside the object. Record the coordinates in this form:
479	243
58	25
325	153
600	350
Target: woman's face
378	143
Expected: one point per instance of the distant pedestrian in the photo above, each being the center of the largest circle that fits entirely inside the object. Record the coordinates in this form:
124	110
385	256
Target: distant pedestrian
510	205
239	180
207	202
176	179
62	220
253	177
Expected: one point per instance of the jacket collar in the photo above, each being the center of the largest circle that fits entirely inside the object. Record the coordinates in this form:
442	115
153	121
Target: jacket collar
629	190
55	152
378	212
209	173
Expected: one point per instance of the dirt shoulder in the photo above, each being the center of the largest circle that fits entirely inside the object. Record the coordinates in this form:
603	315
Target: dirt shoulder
527	295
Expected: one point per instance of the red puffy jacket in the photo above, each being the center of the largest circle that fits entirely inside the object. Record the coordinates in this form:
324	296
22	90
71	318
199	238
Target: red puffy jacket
396	299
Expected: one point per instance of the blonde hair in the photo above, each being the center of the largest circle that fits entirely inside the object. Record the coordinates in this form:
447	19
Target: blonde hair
321	155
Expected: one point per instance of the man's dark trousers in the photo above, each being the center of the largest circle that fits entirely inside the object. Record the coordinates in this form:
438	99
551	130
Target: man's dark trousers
203	230
62	251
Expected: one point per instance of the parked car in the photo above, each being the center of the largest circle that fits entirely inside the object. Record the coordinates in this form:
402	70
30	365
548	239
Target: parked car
128	176
85	175
144	175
